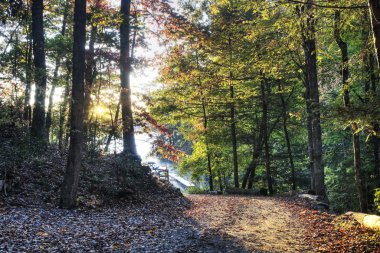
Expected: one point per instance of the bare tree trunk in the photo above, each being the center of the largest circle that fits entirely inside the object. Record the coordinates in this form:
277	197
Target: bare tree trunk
28	87
50	107
38	121
287	138
71	179
129	142
220	180
250	173
64	126
310	148
359	177
376	162
344	53
374	9
264	98
209	167
312	100
28	73
233	122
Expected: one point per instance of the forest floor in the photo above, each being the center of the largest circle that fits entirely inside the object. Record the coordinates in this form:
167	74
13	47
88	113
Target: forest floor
260	224
213	223
124	209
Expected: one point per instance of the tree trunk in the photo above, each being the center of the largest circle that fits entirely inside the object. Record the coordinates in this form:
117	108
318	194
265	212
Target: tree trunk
50	106
28	87
113	128
344	53
376	161
287	138
129	143
220	180
62	126
374	9
312	101
90	78
38	121
310	148
359	177
55	75
249	175
71	178
209	167
28	72
264	98
233	122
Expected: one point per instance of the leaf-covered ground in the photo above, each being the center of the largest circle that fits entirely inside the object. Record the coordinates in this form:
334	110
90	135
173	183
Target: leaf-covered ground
156	227
212	224
260	224
265	224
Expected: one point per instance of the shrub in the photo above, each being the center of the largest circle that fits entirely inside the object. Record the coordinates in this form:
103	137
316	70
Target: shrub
377	200
195	190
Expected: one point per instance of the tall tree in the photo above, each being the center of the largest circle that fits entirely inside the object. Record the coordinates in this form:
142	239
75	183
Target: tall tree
287	138
129	143
264	97
374	9
359	177
312	100
56	70
38	122
233	120
71	179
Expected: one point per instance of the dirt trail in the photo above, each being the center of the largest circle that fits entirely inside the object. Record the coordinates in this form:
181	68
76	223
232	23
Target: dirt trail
258	224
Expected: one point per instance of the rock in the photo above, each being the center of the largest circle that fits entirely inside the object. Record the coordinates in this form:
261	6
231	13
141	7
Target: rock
367	220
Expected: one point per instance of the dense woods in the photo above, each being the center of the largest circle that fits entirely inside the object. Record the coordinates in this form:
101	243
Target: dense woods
276	97
261	97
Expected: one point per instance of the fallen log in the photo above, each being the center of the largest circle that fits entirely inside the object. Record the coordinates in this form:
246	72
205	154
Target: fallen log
370	221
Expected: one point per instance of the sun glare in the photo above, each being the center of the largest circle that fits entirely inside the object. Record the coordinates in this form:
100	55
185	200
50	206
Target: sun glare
99	110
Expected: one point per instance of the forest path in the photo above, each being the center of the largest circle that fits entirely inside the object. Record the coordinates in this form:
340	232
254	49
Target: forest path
258	224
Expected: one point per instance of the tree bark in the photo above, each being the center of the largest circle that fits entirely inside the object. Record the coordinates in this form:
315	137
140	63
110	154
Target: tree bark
264	98
129	143
233	122
359	177
376	161
209	167
312	100
249	175
344	55
38	121
71	178
374	9
62	126
28	72
50	106
28	86
287	139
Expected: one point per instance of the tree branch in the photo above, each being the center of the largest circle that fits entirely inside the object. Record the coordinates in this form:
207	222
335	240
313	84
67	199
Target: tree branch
326	6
